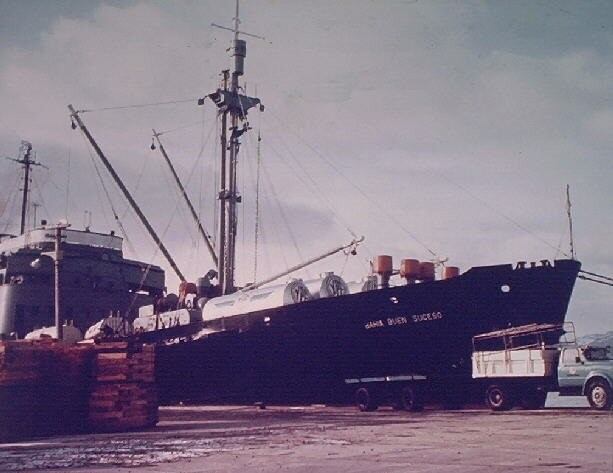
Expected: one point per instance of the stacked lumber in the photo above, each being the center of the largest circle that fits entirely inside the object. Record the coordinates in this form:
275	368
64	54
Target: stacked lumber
48	387
43	388
123	394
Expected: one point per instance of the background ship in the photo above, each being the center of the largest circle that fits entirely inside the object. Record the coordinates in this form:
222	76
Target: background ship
95	278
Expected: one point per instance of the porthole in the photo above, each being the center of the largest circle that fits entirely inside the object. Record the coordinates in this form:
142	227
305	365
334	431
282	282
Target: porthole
505	288
394	300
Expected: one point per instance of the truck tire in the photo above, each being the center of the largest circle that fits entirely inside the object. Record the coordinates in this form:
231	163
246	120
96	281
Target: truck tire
498	398
599	394
410	400
365	400
534	399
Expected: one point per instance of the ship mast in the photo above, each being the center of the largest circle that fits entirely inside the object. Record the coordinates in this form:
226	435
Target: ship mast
230	102
26	159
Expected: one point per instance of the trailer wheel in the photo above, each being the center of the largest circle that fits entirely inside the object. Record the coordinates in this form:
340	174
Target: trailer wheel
365	400
599	394
498	398
534	400
409	399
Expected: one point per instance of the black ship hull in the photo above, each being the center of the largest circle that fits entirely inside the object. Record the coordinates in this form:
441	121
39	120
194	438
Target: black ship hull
306	351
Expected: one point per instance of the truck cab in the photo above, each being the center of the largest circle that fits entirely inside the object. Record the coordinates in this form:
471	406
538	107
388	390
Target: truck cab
587	371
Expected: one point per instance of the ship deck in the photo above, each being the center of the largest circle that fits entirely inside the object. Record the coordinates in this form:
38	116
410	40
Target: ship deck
322	439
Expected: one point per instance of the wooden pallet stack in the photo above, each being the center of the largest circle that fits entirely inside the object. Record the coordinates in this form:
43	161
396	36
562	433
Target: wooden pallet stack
43	388
19	379
47	387
123	395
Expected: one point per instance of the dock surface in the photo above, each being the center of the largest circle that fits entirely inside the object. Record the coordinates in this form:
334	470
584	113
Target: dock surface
317	439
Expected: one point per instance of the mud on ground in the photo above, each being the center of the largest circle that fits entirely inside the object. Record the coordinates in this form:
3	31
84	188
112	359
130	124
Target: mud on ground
334	439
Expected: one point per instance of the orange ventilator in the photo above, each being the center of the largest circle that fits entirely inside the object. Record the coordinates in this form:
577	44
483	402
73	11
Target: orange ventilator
382	264
426	271
410	269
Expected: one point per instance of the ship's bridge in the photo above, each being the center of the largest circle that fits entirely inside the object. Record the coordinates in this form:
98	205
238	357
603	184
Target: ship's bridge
44	238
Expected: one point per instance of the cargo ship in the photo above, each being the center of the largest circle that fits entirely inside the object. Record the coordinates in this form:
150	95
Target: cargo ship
306	340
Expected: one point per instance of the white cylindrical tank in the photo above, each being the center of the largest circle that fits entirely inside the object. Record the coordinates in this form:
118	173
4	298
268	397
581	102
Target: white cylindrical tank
328	285
257	299
369	283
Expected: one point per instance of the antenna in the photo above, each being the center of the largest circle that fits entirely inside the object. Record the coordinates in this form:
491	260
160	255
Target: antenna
235	29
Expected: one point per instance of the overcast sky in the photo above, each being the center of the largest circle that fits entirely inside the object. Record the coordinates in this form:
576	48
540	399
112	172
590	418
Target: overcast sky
430	127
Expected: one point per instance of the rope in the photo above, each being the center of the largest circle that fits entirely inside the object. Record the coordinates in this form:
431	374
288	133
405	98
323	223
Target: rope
138	180
274	233
282	212
585	278
183	127
257	209
108	196
40	196
503	215
138	105
316	190
178	198
12	200
368	198
596	275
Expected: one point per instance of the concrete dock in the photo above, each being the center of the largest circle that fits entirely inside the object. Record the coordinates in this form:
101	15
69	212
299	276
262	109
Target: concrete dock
317	439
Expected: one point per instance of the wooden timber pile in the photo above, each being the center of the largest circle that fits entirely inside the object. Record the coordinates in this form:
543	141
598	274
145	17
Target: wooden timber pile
43	388
47	388
123	395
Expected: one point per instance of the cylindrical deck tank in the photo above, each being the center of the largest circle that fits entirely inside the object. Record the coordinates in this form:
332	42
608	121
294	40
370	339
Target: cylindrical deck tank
329	285
450	272
243	302
410	269
369	283
426	271
382	266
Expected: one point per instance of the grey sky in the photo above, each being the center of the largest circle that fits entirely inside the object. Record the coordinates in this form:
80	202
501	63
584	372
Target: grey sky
461	122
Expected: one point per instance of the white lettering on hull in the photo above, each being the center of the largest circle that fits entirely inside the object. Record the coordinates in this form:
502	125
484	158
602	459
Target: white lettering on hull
403	320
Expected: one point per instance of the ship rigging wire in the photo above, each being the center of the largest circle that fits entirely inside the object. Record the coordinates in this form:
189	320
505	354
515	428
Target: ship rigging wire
503	215
137	105
108	197
586	278
40	196
311	184
282	211
256	230
596	275
368	198
10	204
597	278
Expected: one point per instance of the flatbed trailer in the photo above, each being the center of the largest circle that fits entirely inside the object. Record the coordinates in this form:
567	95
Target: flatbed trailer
406	392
